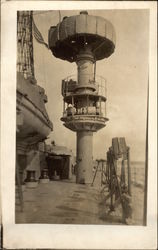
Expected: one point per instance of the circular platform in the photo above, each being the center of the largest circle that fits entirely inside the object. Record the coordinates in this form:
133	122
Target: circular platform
84	122
74	32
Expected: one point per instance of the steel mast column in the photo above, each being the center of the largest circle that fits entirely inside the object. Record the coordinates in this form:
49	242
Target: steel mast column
84	156
85	61
84	150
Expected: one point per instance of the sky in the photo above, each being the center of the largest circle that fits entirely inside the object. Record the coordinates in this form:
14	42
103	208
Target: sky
126	72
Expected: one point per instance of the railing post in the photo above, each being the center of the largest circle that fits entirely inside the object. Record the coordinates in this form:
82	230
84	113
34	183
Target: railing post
87	103
99	106
72	100
63	106
123	171
94	70
129	170
67	85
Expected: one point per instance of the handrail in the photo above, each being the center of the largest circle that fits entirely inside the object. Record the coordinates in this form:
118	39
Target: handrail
99	81
71	111
79	116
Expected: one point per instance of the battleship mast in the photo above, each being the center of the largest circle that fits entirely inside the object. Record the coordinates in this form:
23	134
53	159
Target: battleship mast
25	61
83	39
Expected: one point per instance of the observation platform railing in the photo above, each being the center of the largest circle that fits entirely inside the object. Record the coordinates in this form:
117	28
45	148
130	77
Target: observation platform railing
70	83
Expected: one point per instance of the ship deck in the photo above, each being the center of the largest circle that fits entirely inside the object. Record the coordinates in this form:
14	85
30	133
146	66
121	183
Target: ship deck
65	202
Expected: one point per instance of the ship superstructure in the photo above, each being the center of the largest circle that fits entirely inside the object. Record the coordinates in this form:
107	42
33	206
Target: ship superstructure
33	123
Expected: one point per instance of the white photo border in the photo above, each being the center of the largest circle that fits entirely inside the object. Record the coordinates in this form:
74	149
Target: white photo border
18	236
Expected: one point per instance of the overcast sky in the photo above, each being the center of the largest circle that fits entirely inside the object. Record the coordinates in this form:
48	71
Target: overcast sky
126	72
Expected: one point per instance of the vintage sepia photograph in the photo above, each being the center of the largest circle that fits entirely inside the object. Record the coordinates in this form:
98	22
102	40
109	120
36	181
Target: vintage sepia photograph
78	134
82	80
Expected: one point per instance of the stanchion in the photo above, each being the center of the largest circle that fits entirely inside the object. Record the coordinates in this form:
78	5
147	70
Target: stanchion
19	184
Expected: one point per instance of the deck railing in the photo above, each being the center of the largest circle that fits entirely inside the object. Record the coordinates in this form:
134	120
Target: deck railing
70	83
85	111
